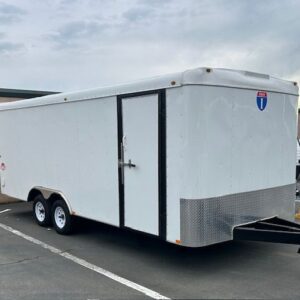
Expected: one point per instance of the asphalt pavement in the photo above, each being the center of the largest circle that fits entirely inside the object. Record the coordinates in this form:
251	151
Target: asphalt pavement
228	271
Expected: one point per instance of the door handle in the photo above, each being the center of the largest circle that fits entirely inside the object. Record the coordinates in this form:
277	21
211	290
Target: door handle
128	164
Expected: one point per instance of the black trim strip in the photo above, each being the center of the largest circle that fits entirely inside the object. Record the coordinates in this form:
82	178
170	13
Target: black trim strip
137	94
162	168
161	157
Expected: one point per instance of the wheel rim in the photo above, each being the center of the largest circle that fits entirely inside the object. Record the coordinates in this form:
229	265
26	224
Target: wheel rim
60	217
40	212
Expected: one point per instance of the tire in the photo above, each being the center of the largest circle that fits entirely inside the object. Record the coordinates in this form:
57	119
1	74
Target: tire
61	218
41	211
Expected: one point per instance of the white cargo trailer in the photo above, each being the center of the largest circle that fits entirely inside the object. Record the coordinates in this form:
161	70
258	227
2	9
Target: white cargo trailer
187	157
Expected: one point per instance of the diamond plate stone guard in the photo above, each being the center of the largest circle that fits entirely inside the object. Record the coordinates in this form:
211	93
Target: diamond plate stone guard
208	221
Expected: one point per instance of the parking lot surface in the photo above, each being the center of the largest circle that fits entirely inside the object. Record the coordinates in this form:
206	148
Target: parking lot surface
230	270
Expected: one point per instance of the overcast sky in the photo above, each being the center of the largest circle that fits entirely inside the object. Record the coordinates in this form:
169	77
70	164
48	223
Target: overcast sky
65	45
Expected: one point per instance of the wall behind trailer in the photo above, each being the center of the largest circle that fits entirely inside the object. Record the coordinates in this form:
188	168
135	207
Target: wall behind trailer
219	143
70	147
8	99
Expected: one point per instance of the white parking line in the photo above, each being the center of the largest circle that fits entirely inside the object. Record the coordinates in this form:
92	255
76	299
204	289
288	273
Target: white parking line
86	264
5	210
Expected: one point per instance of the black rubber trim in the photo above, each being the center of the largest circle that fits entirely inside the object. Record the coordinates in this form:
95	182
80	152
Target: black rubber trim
121	185
162	168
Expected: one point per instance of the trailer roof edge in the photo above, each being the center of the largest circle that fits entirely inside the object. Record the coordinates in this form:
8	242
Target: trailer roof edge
199	76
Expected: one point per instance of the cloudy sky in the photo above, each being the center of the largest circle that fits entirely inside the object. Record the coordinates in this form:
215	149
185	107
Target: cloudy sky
65	45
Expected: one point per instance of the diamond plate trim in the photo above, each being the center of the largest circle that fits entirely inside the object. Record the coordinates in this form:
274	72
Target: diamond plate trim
208	221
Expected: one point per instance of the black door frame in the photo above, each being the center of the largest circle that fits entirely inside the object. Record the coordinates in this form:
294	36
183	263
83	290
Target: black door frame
162	193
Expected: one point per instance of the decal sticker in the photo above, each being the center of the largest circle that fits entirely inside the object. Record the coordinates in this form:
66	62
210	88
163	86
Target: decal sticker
261	100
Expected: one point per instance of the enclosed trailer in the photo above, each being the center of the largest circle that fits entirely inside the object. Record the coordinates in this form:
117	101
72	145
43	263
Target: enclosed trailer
188	157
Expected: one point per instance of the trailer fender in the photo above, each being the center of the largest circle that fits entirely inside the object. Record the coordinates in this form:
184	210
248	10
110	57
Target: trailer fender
48	194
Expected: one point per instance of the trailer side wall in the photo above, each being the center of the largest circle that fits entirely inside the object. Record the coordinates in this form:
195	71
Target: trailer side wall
70	147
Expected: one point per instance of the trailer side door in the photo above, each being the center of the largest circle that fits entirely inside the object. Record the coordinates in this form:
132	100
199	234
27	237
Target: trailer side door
141	163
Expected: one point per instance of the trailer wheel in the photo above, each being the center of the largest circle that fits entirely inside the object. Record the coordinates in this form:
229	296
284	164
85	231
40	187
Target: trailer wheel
61	218
41	211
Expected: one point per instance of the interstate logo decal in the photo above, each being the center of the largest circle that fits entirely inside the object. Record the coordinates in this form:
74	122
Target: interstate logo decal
261	100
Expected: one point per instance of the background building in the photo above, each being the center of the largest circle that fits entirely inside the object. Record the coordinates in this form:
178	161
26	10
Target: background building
7	95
